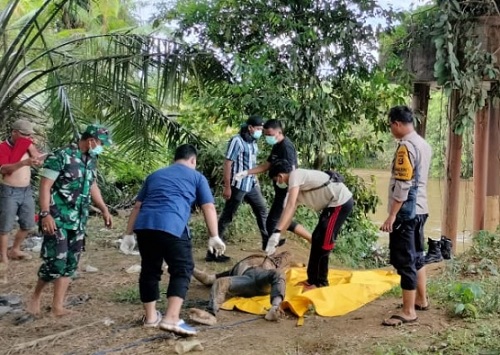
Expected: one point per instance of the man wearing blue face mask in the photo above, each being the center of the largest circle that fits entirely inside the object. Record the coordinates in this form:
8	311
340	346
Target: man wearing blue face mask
283	149
241	155
67	186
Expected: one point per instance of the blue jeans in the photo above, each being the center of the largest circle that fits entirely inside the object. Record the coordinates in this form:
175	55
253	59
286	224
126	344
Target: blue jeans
256	201
16	202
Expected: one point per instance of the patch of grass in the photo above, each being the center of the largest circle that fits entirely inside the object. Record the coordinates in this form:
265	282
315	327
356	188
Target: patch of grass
127	295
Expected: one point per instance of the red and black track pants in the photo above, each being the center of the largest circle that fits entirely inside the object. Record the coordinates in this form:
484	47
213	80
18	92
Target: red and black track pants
323	242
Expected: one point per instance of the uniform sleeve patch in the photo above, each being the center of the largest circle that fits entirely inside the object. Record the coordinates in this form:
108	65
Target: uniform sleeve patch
403	168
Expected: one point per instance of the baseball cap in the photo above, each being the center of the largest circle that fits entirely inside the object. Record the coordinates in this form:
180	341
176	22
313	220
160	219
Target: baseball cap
25	127
255	120
99	132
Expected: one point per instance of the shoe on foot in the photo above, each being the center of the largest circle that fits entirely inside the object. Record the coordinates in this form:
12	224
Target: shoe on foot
180	328
152	324
211	257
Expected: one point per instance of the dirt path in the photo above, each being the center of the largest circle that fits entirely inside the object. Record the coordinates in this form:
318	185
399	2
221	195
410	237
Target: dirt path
236	332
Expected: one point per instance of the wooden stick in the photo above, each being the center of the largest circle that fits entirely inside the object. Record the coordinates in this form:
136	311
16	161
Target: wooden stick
29	344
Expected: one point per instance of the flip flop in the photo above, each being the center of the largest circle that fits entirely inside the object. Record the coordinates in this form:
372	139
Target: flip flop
401	320
152	324
180	328
422	308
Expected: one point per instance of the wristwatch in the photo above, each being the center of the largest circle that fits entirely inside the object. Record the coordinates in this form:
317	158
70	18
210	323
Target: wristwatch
43	214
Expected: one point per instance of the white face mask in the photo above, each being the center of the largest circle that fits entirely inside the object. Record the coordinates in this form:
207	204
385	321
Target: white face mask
96	151
282	185
257	134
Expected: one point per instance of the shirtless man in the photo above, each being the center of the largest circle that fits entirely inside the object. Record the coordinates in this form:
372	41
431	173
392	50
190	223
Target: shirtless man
17	156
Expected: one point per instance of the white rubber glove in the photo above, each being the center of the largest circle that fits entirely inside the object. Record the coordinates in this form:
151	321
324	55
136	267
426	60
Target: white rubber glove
272	243
241	175
128	244
216	245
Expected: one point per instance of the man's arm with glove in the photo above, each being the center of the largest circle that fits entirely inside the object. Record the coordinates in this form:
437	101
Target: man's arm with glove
128	240
273	242
285	219
215	244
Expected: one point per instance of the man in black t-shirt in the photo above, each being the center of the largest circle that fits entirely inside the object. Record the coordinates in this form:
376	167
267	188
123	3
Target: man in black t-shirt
283	148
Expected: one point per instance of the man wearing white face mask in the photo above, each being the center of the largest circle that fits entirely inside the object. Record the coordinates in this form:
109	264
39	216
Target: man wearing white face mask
241	155
283	149
67	187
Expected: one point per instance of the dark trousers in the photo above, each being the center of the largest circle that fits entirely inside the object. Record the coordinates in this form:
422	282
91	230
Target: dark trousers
323	242
256	201
255	281
276	211
156	247
406	248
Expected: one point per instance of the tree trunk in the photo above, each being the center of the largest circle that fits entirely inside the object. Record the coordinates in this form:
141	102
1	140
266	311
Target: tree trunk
449	222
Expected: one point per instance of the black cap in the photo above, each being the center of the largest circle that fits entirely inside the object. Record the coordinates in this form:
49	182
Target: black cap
255	120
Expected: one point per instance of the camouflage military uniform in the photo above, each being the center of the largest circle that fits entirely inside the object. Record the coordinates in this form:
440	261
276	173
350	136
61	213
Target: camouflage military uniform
73	173
256	275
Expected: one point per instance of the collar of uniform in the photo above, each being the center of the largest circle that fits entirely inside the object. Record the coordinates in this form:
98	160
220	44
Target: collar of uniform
408	136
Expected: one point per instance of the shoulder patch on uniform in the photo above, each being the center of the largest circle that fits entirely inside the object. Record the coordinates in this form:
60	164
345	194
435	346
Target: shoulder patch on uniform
403	169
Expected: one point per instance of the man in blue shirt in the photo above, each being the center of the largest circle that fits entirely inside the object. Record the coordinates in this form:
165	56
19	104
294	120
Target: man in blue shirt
160	220
242	155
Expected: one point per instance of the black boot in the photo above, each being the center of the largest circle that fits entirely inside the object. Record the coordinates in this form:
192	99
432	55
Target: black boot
434	252
446	247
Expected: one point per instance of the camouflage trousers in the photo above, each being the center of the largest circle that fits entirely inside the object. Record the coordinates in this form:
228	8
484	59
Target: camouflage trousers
60	254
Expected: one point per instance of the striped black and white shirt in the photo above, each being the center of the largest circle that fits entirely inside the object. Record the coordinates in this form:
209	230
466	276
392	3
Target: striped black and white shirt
244	157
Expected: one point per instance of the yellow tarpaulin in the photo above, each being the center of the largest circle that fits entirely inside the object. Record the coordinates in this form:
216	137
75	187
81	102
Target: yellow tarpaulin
348	291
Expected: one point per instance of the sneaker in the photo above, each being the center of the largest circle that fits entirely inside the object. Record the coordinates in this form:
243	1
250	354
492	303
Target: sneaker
152	324
211	257
180	328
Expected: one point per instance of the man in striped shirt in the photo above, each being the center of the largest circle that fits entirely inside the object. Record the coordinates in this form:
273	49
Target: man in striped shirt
241	155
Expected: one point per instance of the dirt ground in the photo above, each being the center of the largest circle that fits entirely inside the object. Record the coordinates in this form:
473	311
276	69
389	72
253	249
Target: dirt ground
102	325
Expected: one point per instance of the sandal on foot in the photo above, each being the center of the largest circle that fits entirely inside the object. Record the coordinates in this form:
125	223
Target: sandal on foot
400	321
152	324
422	308
180	328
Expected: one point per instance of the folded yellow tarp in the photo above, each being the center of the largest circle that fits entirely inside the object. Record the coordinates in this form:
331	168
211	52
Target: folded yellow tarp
348	291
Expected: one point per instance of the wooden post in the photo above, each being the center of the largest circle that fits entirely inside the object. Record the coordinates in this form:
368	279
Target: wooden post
492	218
420	105
449	221
480	168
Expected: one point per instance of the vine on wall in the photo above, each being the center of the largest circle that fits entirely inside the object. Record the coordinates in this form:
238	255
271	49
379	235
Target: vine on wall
462	63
